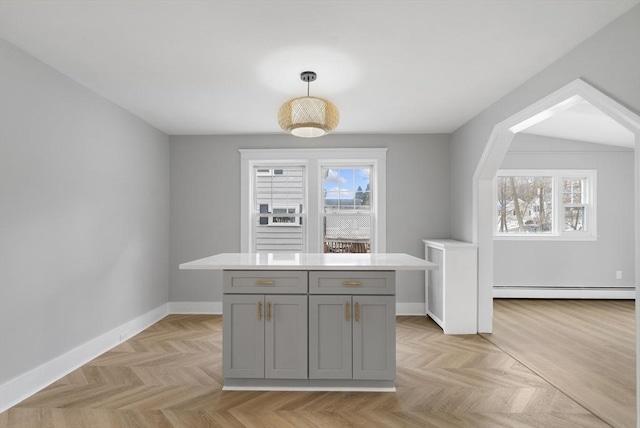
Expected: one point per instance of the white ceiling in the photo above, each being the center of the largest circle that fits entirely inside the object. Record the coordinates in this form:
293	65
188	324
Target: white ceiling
584	122
225	67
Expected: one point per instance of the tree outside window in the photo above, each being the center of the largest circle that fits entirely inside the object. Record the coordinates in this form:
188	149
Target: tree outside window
553	203
525	204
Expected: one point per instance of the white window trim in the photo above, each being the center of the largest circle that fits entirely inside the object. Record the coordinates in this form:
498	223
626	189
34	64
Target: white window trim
557	234
313	160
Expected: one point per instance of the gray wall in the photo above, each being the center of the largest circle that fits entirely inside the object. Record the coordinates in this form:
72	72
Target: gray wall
586	264
205	201
609	61
84	209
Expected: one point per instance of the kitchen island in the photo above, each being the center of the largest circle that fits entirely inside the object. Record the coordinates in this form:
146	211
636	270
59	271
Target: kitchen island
308	321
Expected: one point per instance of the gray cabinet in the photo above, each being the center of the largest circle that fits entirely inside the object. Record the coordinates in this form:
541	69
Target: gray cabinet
265	336
309	329
352	337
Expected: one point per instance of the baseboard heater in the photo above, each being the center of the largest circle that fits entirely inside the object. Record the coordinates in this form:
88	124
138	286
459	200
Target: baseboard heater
562	292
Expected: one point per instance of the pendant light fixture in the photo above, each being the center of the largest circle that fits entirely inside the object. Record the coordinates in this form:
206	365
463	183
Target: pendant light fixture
308	116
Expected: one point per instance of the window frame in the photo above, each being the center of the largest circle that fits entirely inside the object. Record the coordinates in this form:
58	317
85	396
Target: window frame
313	160
373	213
558	206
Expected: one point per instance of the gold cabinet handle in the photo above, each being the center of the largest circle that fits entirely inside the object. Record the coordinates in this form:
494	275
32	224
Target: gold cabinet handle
357	312
259	311
265	282
347	311
350	283
268	311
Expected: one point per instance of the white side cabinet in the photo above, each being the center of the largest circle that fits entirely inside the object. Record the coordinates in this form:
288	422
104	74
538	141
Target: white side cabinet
451	293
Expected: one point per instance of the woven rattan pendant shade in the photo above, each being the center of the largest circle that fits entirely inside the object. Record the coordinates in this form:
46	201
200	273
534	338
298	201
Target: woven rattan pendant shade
308	116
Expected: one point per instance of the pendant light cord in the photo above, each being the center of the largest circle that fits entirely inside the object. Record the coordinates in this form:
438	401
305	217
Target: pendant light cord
308	83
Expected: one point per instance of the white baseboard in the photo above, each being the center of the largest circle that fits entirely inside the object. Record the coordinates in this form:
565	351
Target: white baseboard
213	308
410	309
562	292
19	388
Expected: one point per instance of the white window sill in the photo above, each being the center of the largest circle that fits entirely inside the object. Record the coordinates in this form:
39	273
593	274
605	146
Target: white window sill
530	237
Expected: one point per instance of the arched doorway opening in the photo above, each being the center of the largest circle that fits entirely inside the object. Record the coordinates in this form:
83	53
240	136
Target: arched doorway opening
491	159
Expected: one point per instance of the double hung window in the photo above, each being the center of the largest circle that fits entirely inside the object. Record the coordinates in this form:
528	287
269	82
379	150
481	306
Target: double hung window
279	202
347	217
545	204
313	200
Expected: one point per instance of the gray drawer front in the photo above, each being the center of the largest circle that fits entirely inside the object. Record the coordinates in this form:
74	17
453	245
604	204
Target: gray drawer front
264	282
352	282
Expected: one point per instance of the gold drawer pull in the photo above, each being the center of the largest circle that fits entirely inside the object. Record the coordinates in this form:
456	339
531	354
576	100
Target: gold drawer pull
268	311
357	312
347	311
265	282
259	311
352	283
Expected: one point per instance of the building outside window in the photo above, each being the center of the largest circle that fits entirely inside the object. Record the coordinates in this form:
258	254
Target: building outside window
279	201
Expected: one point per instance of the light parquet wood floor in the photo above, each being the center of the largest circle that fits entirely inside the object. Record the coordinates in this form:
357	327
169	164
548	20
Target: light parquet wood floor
586	348
170	376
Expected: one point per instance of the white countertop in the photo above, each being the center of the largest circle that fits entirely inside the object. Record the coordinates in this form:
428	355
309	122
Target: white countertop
310	261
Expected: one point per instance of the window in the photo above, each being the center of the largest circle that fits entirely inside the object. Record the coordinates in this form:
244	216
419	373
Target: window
575	204
346	209
313	200
278	208
545	204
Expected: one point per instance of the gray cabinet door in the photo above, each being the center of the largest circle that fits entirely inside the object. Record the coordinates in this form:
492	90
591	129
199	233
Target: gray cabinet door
285	337
374	337
243	336
330	348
